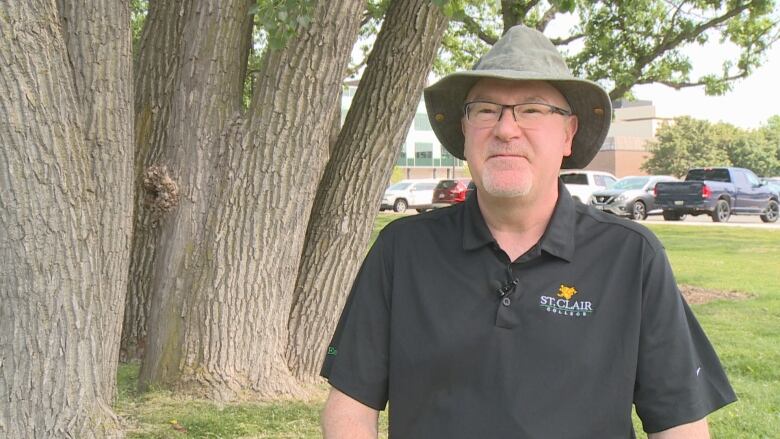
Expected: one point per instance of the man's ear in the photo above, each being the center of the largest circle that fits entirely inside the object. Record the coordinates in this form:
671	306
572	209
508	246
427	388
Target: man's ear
569	130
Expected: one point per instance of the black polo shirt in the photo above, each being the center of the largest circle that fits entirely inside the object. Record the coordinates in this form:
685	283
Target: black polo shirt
465	343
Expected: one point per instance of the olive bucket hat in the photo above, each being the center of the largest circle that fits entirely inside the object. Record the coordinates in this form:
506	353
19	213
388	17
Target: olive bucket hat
522	54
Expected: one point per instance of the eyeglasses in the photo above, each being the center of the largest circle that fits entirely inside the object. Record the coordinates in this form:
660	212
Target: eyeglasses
482	114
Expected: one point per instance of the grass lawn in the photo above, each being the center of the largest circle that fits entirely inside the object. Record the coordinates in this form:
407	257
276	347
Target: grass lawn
745	333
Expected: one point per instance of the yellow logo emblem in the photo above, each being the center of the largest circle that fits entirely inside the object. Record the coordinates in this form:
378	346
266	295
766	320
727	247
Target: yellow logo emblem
566	292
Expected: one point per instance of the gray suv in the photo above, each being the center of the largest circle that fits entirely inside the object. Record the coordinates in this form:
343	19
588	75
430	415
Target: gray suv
629	196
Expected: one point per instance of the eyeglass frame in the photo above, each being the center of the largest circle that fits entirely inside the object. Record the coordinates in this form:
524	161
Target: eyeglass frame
553	109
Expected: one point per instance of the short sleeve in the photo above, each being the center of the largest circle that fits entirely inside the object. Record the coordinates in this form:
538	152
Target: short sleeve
679	377
356	362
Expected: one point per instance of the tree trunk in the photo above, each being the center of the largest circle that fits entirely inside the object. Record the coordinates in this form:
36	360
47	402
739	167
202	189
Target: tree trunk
157	68
99	47
355	178
227	257
65	127
200	92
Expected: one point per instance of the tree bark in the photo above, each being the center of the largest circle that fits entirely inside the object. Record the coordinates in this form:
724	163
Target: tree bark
65	127
196	76
157	71
99	47
356	175
226	259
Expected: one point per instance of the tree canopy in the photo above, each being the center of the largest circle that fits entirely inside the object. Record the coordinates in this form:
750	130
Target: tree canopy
688	143
621	43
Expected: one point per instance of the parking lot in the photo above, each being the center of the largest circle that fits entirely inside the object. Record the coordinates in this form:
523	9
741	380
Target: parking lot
701	220
705	220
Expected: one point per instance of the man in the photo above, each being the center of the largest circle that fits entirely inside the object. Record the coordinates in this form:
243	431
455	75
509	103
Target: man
519	313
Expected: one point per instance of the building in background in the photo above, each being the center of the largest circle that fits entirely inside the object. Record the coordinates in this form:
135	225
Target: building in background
421	155
634	124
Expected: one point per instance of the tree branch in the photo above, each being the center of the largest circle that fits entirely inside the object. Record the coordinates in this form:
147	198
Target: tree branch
352	70
681	85
474	27
508	14
667	45
670	43
525	9
564	41
546	18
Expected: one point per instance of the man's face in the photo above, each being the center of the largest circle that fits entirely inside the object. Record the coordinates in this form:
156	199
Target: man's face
506	160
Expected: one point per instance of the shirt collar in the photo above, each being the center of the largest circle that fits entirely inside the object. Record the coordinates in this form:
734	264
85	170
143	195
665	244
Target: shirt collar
558	238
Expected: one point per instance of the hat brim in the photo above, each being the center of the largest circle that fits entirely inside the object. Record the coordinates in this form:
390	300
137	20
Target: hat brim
444	102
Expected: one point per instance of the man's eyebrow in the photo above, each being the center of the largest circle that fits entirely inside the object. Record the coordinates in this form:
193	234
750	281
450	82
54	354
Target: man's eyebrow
528	99
536	99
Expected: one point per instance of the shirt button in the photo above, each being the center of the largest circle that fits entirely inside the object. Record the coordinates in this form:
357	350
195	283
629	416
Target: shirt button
506	301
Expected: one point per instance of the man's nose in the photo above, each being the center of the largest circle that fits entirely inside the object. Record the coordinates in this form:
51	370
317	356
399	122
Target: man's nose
506	127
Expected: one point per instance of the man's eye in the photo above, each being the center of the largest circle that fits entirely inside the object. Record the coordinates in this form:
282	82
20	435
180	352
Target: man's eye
486	111
531	110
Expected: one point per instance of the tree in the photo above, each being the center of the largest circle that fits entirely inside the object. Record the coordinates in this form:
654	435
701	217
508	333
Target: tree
771	132
623	43
66	130
225	257
222	331
357	173
753	151
686	143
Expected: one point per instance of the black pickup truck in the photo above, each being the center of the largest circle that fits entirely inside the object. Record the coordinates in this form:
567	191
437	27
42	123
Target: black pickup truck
718	192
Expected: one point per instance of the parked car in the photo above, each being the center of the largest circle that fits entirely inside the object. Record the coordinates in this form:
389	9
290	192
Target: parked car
630	196
718	192
415	194
449	192
581	184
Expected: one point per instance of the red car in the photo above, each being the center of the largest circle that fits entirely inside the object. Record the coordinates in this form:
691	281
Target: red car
449	192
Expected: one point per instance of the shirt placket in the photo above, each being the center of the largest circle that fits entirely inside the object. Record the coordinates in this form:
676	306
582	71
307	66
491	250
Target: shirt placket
508	312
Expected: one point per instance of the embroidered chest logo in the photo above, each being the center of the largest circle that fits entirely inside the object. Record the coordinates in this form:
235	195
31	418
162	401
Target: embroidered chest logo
566	292
563	304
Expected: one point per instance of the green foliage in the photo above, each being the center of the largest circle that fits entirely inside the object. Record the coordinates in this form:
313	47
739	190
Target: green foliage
689	143
138	11
254	60
622	43
771	132
373	17
281	19
471	22
752	150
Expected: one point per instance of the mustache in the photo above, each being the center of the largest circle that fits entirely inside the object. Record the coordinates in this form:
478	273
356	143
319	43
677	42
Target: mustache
507	149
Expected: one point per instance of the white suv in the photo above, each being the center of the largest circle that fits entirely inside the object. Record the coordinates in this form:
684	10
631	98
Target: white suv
416	194
581	184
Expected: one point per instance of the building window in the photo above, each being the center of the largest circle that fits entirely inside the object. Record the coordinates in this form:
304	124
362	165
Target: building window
421	122
401	160
423	154
448	159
